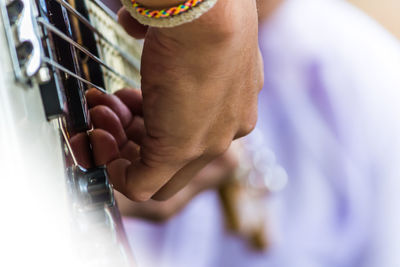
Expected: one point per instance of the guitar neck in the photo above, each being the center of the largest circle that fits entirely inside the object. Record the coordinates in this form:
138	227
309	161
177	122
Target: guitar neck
116	48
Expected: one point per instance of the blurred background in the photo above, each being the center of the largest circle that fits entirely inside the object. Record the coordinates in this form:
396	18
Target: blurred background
385	11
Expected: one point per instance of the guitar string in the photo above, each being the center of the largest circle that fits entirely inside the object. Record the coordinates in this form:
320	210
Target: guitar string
104	8
129	59
67	142
71	73
81	48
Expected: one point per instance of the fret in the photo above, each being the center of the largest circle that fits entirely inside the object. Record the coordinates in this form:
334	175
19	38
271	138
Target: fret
128	58
111	30
76	112
114	74
71	73
85	51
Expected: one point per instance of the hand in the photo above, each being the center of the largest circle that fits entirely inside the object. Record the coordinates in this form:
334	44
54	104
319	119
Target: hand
200	83
212	176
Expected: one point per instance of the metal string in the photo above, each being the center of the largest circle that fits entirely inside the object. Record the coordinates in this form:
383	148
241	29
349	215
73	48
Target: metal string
66	140
76	76
59	33
105	8
131	60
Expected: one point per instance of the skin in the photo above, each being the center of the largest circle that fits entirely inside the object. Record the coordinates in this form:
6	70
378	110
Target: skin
200	83
211	177
266	8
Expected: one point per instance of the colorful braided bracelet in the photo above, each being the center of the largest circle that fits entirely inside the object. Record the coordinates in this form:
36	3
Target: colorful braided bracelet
169	17
165	13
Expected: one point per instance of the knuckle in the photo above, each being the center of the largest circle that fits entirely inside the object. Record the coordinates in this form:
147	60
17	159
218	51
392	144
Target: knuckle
163	195
156	151
193	154
219	148
163	213
248	124
138	196
101	111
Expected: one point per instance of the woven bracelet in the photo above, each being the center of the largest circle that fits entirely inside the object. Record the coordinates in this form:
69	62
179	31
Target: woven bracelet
169	17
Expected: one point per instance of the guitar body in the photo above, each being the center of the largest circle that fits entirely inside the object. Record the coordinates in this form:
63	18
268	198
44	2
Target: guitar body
55	212
32	172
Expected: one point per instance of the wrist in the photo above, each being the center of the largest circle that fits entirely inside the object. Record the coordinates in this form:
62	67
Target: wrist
217	26
168	17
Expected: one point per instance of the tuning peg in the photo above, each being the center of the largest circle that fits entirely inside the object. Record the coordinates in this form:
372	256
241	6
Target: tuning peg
14	10
91	188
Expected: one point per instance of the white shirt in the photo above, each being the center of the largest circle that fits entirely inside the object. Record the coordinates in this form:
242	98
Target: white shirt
330	110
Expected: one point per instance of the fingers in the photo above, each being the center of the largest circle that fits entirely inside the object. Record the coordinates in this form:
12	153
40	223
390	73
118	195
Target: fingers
130	151
141	181
154	210
110	143
94	98
104	147
132	176
116	172
180	179
132	98
125	110
136	130
104	118
135	178
122	101
202	174
131	26
81	149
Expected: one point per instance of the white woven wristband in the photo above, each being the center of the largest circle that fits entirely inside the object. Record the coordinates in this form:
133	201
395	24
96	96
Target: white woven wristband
173	21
